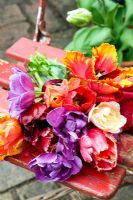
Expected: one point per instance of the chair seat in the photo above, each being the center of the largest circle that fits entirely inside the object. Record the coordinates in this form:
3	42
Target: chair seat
101	185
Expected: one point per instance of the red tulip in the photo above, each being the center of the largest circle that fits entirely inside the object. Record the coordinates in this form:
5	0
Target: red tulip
35	127
127	111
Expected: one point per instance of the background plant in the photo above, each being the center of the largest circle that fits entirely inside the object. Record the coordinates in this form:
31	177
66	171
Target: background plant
111	22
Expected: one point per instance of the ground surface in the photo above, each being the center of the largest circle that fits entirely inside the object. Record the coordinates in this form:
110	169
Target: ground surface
17	19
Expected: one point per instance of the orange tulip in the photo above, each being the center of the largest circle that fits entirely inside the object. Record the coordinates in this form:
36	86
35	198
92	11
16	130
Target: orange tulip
11	137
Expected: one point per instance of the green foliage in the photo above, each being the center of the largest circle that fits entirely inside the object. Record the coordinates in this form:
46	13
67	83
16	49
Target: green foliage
85	4
87	38
129	12
43	69
127	38
111	22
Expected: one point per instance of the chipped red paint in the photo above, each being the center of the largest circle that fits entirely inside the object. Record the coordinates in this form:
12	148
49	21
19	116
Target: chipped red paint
24	48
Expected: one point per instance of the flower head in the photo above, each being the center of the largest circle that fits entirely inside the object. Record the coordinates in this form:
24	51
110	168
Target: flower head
79	65
11	137
107	117
67	124
35	127
100	147
69	94
21	94
106	58
55	166
79	17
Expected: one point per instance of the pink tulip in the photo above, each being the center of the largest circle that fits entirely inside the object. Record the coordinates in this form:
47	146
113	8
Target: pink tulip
100	147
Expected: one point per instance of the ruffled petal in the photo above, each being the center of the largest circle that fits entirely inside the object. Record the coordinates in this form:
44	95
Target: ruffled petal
103	86
80	65
106	58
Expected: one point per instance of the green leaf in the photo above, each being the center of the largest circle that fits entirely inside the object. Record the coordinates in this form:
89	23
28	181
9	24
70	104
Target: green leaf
70	46
120	56
127	38
119	21
128	55
85	3
103	12
97	16
89	37
129	10
42	69
97	11
110	19
110	5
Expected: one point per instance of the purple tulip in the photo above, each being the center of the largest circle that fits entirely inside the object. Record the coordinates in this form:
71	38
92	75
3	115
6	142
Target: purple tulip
68	125
21	94
55	166
67	147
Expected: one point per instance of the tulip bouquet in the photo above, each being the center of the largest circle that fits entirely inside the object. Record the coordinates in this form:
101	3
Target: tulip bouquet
71	113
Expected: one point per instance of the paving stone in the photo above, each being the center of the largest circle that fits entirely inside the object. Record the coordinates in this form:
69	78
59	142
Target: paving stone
30	10
62	38
6	196
35	188
10	14
8	2
128	179
2	54
63	6
11	33
125	193
11	175
54	21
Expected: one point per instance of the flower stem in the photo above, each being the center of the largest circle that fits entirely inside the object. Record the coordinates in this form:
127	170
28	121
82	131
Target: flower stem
39	80
38	92
102	4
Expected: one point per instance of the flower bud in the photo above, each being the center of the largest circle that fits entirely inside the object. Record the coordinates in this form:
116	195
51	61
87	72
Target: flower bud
79	17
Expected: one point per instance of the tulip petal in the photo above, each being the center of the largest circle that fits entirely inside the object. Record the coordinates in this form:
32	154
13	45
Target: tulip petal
103	87
106	58
100	147
80	65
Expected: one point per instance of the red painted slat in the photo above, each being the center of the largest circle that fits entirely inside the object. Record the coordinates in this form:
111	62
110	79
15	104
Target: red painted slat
24	48
97	184
6	71
3	100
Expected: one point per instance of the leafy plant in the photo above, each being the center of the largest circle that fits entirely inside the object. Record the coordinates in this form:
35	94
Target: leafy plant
111	22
